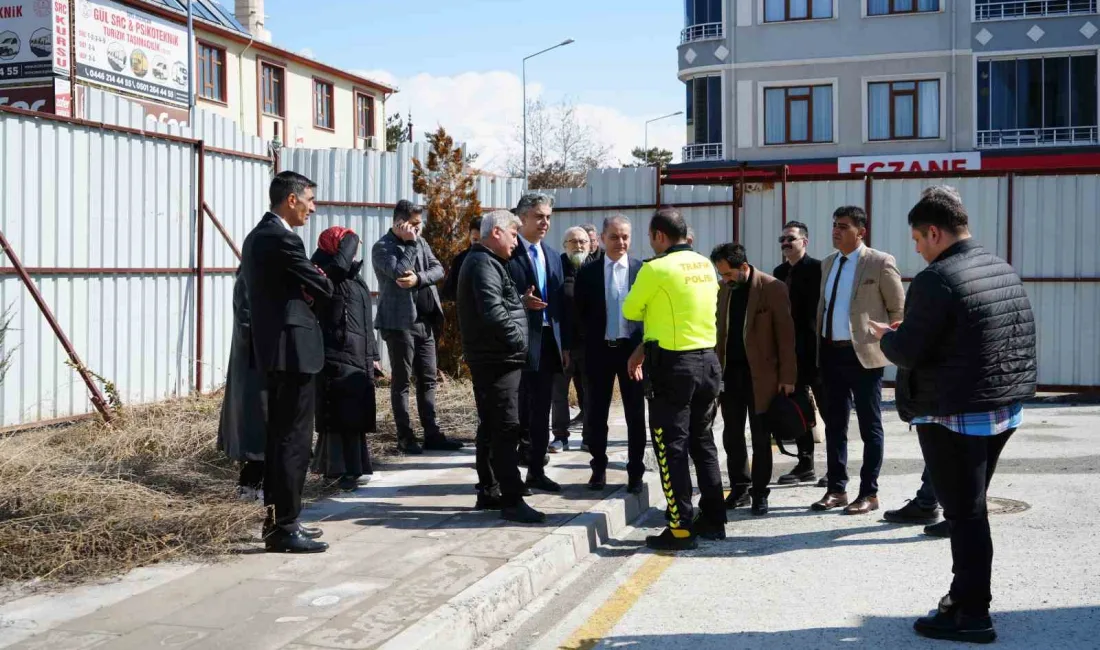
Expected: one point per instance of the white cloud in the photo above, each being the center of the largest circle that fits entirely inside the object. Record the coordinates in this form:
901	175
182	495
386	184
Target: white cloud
484	109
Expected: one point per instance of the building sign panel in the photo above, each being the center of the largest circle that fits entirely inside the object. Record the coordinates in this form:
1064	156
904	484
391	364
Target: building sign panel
122	48
33	39
34	98
929	162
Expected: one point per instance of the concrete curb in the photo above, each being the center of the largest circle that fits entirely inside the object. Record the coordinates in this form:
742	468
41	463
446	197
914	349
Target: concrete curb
474	613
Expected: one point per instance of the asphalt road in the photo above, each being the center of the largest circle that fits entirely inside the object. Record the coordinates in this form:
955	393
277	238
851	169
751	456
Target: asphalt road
800	579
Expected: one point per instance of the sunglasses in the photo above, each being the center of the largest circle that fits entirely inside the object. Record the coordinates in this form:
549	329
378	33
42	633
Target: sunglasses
788	239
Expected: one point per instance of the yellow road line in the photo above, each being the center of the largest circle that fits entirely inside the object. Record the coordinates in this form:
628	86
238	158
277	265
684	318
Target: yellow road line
600	624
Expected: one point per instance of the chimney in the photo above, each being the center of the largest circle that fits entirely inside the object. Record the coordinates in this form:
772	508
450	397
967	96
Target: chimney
250	13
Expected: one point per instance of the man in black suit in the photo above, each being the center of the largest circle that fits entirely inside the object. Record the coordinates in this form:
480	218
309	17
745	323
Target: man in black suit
610	340
802	274
536	269
287	345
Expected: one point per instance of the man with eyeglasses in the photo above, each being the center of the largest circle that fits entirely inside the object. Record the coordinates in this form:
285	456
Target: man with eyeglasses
802	275
860	285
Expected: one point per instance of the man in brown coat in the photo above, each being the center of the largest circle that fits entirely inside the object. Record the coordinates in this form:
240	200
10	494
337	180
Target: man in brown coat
756	348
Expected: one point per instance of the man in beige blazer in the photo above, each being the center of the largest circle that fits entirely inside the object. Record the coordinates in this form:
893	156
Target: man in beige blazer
858	285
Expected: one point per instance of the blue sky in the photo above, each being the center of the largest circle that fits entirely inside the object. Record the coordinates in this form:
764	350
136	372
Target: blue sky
458	61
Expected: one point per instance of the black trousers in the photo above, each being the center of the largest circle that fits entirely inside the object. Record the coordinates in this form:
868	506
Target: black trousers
290	406
412	354
683	402
559	417
737	401
496	392
847	381
605	365
961	467
805	444
536	397
252	474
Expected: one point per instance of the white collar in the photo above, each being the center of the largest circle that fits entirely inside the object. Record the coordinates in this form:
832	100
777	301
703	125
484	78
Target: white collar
623	261
854	255
527	245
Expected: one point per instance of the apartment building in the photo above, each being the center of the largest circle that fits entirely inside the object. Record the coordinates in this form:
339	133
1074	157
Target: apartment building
889	85
53	51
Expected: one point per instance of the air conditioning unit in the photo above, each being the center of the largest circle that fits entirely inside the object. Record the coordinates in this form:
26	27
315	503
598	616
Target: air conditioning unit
370	142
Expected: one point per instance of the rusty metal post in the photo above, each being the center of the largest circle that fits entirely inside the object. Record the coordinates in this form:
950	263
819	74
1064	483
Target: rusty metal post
867	194
199	266
1010	212
783	178
96	395
222	230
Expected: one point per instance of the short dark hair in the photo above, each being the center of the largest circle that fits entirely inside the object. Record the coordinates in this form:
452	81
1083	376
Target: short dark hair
286	183
590	227
939	210
803	229
732	254
405	209
670	222
853	212
475	224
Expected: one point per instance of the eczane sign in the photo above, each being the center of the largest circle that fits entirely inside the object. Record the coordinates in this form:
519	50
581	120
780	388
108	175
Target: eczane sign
927	162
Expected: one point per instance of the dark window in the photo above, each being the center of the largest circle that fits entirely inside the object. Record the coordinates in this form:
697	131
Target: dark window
1037	93
903	110
322	104
798	115
364	115
700	12
777	11
704	110
271	82
211	81
887	7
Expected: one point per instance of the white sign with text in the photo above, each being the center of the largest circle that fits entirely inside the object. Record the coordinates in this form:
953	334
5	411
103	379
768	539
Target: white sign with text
925	162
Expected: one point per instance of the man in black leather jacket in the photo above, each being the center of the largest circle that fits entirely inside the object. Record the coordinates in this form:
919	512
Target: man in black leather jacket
965	353
494	329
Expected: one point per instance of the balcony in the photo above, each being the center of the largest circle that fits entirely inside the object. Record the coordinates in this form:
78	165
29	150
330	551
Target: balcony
1032	9
1061	136
700	152
701	32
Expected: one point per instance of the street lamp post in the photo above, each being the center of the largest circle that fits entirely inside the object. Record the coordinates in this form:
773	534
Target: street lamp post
647	132
563	43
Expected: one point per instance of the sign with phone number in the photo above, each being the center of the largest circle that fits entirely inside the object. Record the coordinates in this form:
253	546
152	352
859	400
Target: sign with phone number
132	85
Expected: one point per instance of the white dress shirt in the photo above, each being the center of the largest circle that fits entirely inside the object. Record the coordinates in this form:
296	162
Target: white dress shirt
545	270
842	325
616	281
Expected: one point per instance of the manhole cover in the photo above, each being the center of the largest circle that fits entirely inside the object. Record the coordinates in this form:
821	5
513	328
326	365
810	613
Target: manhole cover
1000	506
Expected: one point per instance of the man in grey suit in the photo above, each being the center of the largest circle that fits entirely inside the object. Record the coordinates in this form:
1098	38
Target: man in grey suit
409	316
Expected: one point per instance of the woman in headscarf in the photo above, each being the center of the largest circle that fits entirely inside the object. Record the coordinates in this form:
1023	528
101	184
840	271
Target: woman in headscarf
345	388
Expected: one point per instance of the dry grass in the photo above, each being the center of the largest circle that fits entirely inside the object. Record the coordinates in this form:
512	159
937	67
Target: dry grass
85	501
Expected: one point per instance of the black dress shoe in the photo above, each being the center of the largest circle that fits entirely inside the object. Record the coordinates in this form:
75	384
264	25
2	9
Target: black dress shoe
280	541
737	500
668	540
541	482
823	482
522	513
911	513
442	444
708	529
634	486
941	529
487	501
409	448
949	623
803	472
598	481
310	531
759	506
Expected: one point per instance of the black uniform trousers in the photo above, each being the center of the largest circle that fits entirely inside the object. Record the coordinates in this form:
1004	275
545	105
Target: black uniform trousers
846	382
496	392
684	389
536	398
291	404
609	361
737	401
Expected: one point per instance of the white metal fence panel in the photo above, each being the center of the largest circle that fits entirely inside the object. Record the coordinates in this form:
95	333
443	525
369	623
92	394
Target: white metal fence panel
1055	230
1067	317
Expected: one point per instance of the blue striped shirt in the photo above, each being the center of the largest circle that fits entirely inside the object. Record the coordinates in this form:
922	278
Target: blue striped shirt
986	423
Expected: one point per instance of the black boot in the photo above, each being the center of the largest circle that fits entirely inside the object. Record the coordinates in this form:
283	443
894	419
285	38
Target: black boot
678	539
522	513
803	472
759	504
488	499
738	498
409	447
949	623
912	513
708	529
441	443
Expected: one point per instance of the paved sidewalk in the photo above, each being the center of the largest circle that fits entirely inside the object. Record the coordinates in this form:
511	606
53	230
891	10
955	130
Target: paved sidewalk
400	549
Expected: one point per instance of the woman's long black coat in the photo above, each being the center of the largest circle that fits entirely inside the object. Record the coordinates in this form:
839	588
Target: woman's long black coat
242	432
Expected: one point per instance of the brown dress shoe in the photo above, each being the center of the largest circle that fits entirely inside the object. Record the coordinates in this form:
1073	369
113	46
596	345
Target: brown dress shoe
862	506
831	500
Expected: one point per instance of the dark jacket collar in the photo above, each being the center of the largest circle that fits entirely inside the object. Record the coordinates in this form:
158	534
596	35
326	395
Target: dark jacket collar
959	247
479	248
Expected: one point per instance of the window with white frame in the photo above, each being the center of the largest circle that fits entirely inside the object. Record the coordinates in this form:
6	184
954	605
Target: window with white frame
903	110
779	11
798	114
888	7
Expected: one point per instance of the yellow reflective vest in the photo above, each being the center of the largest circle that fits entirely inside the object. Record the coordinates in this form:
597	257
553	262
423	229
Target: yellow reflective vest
676	296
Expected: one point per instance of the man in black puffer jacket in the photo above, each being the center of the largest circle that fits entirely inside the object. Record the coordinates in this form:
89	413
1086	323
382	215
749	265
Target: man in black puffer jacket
965	353
493	322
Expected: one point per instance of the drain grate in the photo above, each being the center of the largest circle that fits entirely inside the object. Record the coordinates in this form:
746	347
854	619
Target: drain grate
1001	506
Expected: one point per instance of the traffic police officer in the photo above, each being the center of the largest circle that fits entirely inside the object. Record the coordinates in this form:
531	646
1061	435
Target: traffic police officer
676	296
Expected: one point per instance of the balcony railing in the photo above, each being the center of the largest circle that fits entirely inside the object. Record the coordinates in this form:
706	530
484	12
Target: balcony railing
1061	136
701	32
697	152
1032	8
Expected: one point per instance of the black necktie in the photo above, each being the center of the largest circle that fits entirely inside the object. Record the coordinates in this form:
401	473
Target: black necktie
832	300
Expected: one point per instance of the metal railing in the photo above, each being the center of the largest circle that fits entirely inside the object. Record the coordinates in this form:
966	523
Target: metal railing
701	32
1052	136
707	151
1032	8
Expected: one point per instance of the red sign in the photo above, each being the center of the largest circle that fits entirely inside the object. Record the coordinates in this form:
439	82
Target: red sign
936	162
37	98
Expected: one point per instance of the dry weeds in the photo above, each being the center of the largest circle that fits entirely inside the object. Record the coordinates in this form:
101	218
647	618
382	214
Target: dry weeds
86	501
